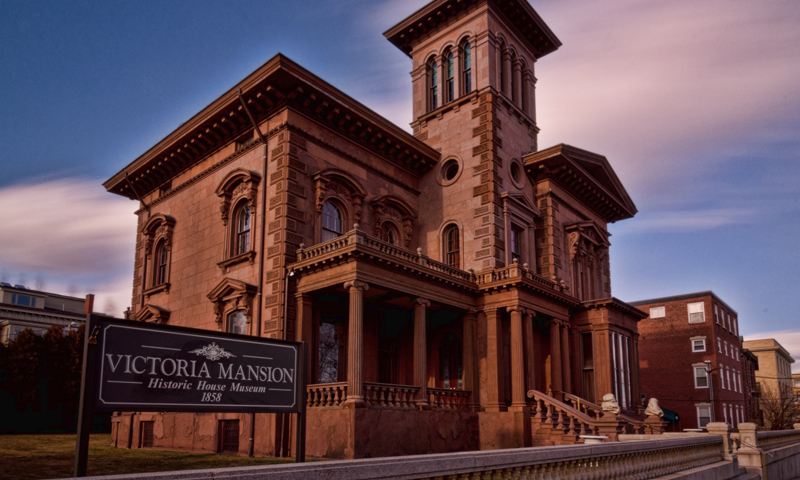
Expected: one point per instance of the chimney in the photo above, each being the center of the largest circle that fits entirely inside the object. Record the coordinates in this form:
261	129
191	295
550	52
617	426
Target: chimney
88	306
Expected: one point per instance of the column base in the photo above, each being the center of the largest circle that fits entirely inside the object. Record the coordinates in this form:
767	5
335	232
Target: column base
354	402
517	408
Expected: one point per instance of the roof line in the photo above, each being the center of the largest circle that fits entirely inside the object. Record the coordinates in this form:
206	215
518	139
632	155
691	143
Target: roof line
684	297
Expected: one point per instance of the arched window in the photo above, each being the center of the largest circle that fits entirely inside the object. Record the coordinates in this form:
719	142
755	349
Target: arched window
433	85
451	372
513	79
331	222
467	69
451	84
389	233
162	260
242	230
501	81
237	322
452	247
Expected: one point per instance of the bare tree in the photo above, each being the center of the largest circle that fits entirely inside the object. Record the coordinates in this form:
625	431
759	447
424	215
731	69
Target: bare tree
779	407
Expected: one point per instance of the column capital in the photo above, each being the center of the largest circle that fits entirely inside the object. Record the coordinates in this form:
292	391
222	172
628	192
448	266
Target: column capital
423	302
356	284
516	309
530	312
472	315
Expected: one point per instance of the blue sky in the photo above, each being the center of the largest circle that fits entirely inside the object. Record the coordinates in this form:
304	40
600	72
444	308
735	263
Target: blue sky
695	103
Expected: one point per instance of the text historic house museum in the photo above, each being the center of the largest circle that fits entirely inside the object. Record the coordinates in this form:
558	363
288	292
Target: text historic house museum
437	277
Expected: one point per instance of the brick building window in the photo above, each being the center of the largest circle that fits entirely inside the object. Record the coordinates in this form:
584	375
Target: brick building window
696	312
699	345
658	312
703	415
700	377
716	315
719	345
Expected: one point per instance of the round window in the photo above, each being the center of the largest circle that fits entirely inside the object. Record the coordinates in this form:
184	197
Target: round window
517	175
450	170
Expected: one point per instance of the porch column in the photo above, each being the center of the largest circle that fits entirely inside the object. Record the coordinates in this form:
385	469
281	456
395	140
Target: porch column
305	329
517	361
565	359
494	370
635	375
530	351
355	338
421	351
468	360
555	357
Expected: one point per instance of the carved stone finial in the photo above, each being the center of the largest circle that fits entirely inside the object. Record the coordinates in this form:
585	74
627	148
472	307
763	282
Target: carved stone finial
515	261
355	226
653	410
525	266
610	404
419	251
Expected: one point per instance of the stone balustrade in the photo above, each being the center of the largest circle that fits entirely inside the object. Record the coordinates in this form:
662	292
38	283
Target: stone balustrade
770	440
326	394
356	239
385	395
701	456
554	415
448	399
631	425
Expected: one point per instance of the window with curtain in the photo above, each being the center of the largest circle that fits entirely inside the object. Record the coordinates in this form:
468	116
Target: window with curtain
331	222
237	322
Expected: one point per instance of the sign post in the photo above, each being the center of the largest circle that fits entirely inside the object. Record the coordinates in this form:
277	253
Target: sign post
143	367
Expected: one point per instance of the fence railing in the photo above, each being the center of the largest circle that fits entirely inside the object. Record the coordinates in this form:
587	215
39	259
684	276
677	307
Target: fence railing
629	460
448	399
326	394
386	395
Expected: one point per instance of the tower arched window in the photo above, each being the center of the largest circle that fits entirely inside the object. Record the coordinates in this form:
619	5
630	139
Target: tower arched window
162	262
433	85
389	233
237	322
242	230
331	222
467	69
450	85
452	246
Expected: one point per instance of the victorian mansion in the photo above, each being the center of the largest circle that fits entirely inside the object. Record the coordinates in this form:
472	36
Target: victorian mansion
438	277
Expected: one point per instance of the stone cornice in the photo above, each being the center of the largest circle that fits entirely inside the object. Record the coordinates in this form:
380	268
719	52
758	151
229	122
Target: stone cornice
616	304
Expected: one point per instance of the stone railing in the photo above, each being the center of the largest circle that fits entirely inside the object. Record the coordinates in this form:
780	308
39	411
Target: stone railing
769	440
632	425
629	460
358	239
560	417
447	399
326	394
386	395
514	271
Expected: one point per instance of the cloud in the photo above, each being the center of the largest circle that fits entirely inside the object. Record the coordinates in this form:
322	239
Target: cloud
789	339
689	220
71	234
670	90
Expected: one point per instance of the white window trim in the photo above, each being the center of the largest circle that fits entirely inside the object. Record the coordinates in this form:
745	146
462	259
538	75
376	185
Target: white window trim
694	373
702	312
698	406
695	339
719	345
662	308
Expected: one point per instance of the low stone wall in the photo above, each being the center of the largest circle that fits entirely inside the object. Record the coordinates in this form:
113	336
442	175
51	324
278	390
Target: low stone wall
685	458
783	463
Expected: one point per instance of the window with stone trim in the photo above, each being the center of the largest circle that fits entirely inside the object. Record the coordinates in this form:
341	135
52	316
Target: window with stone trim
451	246
433	85
238	193
162	263
157	233
698	345
466	72
237	322
243	221
331	221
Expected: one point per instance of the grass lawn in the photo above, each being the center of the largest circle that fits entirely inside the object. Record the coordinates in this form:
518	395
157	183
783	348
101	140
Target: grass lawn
33	457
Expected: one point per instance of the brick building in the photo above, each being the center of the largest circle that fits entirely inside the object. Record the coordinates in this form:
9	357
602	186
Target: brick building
690	358
437	276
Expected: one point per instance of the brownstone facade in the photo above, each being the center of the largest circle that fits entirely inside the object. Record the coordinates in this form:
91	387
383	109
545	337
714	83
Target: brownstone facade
691	359
437	277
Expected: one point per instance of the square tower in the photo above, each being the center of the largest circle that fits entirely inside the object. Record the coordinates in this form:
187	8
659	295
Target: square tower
474	101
